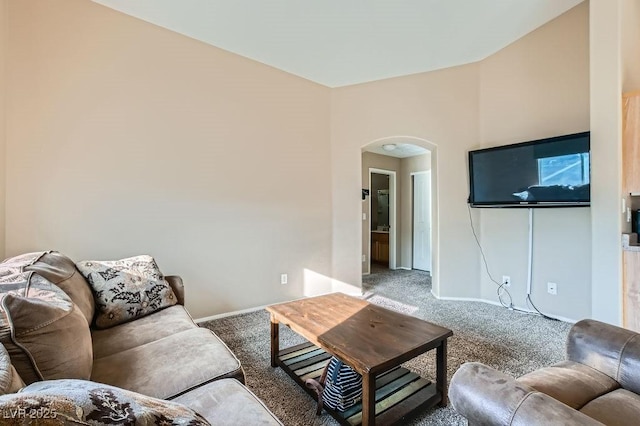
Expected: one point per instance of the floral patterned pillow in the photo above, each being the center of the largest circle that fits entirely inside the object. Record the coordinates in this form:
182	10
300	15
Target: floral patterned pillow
126	289
81	402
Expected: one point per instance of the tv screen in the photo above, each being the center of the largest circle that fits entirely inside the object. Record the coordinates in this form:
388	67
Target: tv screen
552	172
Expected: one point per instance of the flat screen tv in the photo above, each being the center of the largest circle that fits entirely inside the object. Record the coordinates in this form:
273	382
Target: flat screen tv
552	172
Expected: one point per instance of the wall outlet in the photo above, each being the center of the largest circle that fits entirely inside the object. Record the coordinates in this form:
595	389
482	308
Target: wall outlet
506	280
364	216
364	257
552	288
283	278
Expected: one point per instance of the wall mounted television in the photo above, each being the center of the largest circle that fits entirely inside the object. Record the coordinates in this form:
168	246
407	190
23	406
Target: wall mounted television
551	172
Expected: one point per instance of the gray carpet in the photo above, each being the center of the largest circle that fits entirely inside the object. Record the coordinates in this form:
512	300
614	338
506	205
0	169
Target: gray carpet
512	342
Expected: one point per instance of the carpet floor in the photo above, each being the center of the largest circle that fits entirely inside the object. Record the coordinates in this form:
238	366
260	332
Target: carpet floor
512	342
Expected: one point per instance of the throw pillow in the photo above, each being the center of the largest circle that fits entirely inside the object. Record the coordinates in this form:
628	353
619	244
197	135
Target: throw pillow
44	332
61	271
14	265
126	289
58	269
84	402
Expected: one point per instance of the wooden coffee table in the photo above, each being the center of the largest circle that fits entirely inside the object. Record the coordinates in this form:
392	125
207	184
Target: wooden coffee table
374	341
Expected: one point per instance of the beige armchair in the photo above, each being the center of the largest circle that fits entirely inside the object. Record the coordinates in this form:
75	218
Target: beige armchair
599	383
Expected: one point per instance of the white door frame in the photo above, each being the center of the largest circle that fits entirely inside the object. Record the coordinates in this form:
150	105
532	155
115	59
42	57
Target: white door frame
411	206
392	216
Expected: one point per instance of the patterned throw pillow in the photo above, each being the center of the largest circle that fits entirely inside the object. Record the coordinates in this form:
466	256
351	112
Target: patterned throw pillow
126	289
67	402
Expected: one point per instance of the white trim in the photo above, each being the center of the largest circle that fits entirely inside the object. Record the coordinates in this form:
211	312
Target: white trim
405	268
366	273
229	314
368	226
493	302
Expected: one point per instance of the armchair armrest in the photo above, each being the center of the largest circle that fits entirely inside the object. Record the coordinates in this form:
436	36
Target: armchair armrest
614	351
486	396
176	284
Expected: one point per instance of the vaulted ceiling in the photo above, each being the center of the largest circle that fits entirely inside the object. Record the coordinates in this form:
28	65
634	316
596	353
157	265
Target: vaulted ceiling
343	42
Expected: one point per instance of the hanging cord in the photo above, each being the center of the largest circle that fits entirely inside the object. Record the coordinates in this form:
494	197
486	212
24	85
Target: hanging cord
501	289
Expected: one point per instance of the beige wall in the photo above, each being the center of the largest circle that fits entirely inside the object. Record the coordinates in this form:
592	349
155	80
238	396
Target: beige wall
384	162
125	138
606	150
440	109
419	163
535	88
630	44
4	34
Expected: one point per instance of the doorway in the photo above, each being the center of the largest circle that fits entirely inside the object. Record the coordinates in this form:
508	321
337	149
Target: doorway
421	220
405	156
382	218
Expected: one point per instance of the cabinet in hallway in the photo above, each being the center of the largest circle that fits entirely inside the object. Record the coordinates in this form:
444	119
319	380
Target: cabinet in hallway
380	247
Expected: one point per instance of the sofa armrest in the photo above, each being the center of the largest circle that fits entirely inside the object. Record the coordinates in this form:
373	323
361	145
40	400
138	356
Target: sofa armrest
613	350
486	396
177	286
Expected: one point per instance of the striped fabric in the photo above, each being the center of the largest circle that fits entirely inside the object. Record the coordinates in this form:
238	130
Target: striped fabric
343	386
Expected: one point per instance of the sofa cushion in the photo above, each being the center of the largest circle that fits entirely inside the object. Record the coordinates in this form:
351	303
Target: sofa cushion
570	382
166	322
170	366
227	401
61	271
126	289
46	335
618	408
84	402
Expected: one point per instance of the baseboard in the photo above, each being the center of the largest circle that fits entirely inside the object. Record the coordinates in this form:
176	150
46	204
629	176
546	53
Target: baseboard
493	302
453	299
405	268
229	314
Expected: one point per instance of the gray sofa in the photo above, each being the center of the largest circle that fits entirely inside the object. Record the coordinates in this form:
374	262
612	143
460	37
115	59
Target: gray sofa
599	383
163	355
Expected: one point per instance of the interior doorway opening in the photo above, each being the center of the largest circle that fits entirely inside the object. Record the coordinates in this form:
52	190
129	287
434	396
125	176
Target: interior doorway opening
382	218
413	235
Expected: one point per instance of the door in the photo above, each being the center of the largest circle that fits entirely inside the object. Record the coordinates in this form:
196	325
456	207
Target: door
422	221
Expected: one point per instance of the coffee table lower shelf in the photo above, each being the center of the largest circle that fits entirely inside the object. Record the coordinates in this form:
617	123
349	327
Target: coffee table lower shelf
400	393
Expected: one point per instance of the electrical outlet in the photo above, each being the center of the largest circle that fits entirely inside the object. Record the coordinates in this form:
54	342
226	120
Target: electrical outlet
364	257
506	280
552	288
283	278
364	216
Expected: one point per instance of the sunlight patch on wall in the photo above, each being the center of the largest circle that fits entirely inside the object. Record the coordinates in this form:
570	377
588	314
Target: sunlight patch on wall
315	284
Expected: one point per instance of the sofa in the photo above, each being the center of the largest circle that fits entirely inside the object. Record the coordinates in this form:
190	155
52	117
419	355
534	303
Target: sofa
149	359
598	383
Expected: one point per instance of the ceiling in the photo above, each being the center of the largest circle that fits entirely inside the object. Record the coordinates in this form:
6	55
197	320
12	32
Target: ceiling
344	42
398	148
